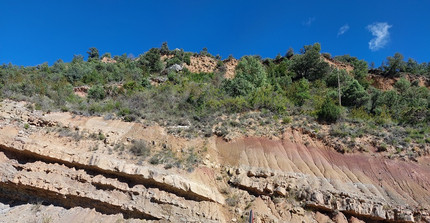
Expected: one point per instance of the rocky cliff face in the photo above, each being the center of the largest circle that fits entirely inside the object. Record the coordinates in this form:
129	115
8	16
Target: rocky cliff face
49	176
358	185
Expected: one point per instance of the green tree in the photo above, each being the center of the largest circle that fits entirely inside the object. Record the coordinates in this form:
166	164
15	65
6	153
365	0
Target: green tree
354	94
300	91
309	64
108	55
394	65
250	74
77	59
93	54
151	60
332	78
96	92
329	111
360	67
290	53
204	52
173	60
164	50
412	66
402	85
279	75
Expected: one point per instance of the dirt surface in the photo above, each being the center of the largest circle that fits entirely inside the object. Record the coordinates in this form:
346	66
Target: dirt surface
338	65
387	83
203	64
60	167
81	91
108	60
230	65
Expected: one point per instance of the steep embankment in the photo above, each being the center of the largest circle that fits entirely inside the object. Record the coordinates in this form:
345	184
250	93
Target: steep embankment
49	172
356	184
39	166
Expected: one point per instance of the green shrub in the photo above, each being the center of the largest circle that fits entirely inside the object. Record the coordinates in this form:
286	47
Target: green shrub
140	148
232	201
164	50
96	92
300	91
151	60
93	54
354	95
250	74
309	64
173	60
402	85
187	58
329	112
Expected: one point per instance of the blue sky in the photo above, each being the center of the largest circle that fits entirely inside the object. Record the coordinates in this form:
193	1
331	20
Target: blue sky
33	32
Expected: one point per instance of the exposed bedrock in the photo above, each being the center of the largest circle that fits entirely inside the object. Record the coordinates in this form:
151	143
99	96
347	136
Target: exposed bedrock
365	186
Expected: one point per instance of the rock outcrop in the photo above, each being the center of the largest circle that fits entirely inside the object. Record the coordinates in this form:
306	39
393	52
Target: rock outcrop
51	168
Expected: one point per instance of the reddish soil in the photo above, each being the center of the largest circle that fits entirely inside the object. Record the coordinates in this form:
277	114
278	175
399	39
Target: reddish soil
399	181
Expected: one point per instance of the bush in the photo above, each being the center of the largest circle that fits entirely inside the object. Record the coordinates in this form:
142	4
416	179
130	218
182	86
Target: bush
96	92
354	95
172	61
187	58
300	91
151	60
164	50
93	54
394	65
266	97
140	148
309	64
332	78
402	85
329	112
250	74
232	201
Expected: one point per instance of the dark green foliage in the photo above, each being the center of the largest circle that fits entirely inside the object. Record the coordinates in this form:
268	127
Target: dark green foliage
402	85
97	92
266	97
145	83
300	91
77	59
151	60
326	55
107	55
290	53
332	78
360	66
290	85
329	112
309	64
187	58
204	52
250	75
131	86
412	66
394	65
354	94
173	60
279	75
164	50
93	54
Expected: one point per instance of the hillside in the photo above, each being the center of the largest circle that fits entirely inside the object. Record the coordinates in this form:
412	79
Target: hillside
174	136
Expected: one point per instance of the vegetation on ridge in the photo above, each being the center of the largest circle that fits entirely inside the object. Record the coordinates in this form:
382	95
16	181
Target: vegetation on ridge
148	88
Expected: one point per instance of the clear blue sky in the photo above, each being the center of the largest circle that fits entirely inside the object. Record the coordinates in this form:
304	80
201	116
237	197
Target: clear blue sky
33	32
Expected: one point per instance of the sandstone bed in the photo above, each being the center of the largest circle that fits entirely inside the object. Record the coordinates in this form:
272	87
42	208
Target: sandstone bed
50	178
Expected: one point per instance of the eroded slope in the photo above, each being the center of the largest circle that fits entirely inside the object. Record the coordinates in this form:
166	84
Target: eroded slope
292	179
